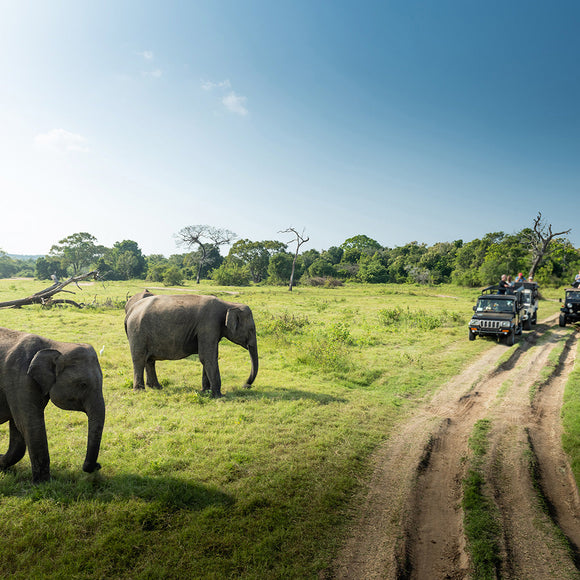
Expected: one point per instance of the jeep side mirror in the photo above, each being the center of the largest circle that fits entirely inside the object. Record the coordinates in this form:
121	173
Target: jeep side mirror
475	307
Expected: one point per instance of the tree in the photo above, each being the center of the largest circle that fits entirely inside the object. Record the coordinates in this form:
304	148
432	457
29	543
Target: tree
77	251
204	237
255	256
280	268
7	265
123	261
300	240
540	238
46	267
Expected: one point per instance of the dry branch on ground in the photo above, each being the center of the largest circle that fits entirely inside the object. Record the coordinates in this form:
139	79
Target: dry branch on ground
45	297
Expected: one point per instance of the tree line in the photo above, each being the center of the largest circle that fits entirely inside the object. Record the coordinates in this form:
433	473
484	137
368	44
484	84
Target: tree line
358	259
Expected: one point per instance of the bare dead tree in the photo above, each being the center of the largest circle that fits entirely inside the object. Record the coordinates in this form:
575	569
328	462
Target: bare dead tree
300	239
44	297
540	239
204	237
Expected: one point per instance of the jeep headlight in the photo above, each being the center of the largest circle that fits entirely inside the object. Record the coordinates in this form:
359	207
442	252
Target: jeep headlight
569	305
474	322
506	324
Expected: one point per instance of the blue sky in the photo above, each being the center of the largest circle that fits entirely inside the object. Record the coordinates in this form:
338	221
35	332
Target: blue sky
407	120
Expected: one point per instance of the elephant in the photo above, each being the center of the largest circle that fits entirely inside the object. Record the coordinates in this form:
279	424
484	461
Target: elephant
34	370
169	327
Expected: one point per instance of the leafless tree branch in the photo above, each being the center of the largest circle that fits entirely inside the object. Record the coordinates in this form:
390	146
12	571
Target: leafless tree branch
300	239
44	297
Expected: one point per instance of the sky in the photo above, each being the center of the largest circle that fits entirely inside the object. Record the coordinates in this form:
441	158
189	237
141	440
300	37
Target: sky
401	120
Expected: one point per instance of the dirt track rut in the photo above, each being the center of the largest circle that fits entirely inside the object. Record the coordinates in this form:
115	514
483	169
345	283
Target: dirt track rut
410	524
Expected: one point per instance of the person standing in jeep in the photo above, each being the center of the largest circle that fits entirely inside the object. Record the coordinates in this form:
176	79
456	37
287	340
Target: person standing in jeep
503	284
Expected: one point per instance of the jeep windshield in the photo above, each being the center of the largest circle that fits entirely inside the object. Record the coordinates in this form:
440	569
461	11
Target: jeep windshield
573	295
494	305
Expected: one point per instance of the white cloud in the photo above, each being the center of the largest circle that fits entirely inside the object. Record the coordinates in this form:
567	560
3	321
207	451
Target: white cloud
147	54
235	104
61	140
209	85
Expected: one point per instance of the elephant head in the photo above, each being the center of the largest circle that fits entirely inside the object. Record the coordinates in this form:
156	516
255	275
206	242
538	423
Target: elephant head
73	380
241	330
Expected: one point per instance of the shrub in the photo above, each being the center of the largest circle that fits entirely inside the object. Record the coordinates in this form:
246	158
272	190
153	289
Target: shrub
173	276
229	274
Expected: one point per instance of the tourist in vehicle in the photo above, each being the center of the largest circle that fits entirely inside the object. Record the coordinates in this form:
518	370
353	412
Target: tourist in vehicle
576	283
503	284
520	277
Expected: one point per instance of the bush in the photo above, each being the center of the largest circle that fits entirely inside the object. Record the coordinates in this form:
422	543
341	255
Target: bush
173	276
323	281
229	274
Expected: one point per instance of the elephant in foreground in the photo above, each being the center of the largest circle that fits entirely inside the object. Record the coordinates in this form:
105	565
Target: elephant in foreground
174	327
34	370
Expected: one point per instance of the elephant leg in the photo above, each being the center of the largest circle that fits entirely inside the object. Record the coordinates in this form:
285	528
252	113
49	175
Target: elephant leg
138	372
16	448
152	381
34	432
205	385
211	372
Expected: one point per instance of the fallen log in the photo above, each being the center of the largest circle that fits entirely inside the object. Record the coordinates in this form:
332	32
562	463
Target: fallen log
44	297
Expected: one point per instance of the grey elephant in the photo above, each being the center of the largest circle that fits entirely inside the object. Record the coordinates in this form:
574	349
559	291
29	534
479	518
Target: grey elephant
34	370
174	327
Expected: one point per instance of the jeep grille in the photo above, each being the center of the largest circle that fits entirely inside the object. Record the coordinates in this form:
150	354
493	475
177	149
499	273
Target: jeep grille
490	324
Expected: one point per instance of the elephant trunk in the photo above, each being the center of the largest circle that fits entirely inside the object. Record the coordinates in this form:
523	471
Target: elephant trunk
253	349
96	415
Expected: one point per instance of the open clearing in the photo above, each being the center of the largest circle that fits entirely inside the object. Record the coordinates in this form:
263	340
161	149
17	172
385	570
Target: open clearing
411	521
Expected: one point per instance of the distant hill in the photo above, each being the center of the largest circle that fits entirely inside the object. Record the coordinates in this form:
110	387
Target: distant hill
24	256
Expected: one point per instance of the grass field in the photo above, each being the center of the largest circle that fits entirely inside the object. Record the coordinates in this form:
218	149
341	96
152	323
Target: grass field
257	484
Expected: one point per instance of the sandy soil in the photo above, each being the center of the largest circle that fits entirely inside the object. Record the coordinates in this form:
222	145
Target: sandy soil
409	524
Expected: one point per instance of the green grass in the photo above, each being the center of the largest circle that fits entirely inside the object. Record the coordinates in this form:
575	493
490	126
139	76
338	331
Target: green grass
254	485
571	419
482	528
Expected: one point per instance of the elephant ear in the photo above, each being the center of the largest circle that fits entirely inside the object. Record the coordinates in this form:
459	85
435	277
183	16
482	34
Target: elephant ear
45	367
232	319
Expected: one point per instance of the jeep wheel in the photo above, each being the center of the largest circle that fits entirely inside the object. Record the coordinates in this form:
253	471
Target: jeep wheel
510	338
528	324
471	335
562	321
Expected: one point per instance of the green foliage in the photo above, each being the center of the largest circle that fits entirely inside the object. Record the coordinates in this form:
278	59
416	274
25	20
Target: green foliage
280	268
255	256
398	317
124	261
46	267
231	274
173	276
284	324
77	251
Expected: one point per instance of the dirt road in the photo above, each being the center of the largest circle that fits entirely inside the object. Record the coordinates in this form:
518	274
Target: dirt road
410	523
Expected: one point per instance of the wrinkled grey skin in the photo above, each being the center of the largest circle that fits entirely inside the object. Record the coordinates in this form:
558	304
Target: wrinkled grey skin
174	327
34	370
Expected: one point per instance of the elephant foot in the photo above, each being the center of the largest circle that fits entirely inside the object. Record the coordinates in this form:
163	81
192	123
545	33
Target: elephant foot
155	386
216	395
91	467
139	387
247	386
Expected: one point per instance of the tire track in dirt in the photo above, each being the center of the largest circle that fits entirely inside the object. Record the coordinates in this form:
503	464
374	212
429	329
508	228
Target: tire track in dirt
410	523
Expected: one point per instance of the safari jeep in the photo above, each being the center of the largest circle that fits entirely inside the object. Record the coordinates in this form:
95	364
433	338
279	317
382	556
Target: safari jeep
497	315
570	309
530	297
